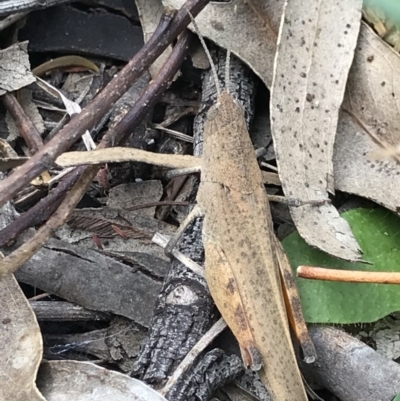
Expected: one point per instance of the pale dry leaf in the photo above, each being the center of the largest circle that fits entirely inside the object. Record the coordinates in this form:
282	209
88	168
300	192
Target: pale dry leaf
71	108
373	89
21	344
150	12
15	71
84	381
248	28
118	154
310	73
358	174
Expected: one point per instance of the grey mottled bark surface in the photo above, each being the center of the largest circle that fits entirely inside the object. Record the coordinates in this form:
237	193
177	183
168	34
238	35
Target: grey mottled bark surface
350	369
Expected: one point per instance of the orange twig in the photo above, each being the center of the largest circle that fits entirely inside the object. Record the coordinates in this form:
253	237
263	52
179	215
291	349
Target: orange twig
350	276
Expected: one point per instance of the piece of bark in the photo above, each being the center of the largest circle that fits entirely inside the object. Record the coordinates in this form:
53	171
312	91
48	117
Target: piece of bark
216	367
118	344
68	346
15	68
350	369
92	280
64	311
183	313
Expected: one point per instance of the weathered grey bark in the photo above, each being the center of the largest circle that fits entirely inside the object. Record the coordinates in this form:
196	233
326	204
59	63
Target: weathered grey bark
92	280
216	367
350	369
185	310
183	313
117	344
64	312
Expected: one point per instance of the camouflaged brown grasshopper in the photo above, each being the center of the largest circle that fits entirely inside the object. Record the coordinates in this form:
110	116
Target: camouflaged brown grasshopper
244	261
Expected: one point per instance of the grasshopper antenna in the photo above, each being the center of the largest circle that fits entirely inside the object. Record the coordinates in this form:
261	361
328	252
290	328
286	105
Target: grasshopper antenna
227	69
203	43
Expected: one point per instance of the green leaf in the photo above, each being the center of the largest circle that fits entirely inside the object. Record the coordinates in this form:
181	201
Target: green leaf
397	397
378	233
386	11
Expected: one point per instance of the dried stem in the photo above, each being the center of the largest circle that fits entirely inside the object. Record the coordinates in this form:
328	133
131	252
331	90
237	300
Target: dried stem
42	210
348	276
24	124
206	340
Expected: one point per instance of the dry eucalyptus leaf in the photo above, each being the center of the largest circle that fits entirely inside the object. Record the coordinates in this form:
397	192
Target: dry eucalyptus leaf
310	74
70	107
84	381
248	28
358	174
374	88
21	344
150	12
15	71
7	163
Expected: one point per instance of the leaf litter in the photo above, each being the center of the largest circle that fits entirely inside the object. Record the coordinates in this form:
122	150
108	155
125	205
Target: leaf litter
361	120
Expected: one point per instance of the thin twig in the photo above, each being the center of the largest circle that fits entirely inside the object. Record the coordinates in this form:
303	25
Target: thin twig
161	240
24	124
173	133
42	210
215	330
348	276
17	258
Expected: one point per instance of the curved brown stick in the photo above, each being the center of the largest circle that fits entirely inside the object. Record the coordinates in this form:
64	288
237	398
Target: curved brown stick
24	124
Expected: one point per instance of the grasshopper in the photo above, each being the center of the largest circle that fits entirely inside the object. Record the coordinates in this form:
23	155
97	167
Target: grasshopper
243	258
